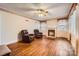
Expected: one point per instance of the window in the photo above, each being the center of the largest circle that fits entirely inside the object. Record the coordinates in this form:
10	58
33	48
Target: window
62	25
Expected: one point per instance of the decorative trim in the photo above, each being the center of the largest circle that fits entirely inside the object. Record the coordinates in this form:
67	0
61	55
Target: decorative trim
7	43
2	9
65	17
73	7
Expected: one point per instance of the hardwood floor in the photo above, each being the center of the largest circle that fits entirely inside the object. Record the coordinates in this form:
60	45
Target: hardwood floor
39	47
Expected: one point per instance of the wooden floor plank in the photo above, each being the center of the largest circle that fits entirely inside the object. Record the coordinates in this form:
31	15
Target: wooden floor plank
39	47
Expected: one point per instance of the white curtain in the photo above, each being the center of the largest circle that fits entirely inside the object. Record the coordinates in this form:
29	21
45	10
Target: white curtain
43	27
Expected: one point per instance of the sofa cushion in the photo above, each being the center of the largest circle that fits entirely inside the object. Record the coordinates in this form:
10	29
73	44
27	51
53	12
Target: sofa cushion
4	50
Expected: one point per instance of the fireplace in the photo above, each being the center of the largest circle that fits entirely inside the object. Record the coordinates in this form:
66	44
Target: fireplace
51	32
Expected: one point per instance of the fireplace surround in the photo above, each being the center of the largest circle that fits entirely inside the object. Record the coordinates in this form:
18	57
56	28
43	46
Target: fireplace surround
51	32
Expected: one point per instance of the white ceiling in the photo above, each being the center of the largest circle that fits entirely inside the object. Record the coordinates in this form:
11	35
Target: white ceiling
55	10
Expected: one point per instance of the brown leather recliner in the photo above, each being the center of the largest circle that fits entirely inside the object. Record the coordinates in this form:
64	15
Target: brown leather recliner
38	34
25	36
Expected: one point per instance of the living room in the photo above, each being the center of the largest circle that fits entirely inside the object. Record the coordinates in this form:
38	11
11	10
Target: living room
57	21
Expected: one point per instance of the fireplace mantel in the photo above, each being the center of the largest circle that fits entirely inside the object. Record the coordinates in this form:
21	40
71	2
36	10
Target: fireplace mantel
51	33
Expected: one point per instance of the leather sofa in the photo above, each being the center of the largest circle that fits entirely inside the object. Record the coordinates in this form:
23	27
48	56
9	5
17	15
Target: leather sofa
4	50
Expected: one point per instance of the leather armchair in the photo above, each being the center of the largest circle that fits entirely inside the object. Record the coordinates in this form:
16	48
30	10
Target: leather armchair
38	34
25	36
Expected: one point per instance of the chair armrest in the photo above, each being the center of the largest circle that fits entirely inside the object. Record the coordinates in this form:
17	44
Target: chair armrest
40	32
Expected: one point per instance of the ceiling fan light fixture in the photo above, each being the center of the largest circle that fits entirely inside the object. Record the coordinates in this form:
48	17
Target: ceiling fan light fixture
42	12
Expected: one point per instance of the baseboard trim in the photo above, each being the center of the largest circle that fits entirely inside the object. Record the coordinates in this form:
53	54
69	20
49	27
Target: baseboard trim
11	42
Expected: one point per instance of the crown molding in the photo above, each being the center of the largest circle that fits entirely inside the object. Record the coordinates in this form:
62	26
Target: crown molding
65	17
73	7
2	9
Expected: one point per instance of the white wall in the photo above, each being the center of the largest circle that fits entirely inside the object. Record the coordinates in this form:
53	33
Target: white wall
12	24
56	25
72	29
77	26
0	29
77	19
51	24
43	27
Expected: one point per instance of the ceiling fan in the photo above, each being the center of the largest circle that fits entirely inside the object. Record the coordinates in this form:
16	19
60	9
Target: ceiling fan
40	12
38	9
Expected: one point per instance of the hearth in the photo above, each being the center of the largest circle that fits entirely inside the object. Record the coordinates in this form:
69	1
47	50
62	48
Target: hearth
51	32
